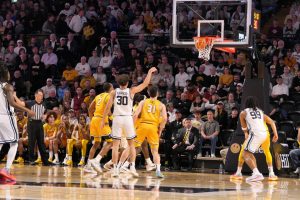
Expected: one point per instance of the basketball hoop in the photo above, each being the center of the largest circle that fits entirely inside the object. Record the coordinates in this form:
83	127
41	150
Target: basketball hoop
204	46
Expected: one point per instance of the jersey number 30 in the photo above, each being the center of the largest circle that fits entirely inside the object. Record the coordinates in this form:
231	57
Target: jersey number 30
122	100
255	115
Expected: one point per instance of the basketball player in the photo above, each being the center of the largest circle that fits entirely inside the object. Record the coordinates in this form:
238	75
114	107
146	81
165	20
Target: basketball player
266	148
23	137
96	111
122	98
151	125
8	124
253	124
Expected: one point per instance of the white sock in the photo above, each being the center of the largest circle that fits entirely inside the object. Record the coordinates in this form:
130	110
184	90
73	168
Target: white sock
11	154
39	154
126	164
132	165
98	158
157	167
255	171
271	170
239	170
119	165
56	156
109	162
70	157
88	162
82	158
149	161
50	155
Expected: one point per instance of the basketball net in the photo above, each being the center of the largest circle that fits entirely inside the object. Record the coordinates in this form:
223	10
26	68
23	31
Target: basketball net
204	46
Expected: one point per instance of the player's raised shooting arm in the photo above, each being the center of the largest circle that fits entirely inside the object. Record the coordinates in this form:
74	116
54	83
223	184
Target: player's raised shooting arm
108	105
146	82
138	111
269	121
92	109
243	122
9	91
164	118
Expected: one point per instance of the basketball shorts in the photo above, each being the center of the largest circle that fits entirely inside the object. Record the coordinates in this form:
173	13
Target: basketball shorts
254	141
8	129
123	125
96	131
148	131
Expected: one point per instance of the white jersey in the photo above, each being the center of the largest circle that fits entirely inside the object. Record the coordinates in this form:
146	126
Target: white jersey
5	108
255	121
123	103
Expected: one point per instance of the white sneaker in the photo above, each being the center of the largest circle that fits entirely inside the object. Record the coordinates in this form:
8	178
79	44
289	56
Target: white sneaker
55	162
133	172
65	161
273	177
255	177
213	155
150	167
237	176
297	170
96	166
114	172
88	169
107	166
124	170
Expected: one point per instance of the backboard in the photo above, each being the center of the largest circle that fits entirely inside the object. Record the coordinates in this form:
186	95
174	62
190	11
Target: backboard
230	20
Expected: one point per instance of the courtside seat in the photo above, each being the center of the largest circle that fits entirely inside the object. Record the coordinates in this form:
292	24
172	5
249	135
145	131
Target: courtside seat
224	137
282	137
297	106
296	97
294	116
289	129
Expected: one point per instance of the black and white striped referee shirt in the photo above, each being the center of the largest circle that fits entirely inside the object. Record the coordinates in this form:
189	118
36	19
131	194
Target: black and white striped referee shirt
39	109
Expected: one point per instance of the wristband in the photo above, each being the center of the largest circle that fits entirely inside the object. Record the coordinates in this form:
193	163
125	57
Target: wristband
244	129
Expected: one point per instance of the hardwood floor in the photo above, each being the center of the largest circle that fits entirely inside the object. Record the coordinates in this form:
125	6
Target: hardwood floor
37	182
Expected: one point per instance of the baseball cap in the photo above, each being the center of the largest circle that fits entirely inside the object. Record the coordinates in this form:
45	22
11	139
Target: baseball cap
220	102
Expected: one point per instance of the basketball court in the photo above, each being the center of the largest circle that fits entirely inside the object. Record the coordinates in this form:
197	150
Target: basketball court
37	182
191	19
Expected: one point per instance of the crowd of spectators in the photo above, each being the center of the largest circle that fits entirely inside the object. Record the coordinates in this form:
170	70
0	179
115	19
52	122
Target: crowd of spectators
70	49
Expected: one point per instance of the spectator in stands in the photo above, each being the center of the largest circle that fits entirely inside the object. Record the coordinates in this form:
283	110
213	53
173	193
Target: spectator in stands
49	25
287	76
77	22
88	77
119	62
171	111
290	61
168	78
165	143
164	65
82	67
181	78
150	62
289	31
200	78
296	53
191	68
140	43
77	100
207	67
38	73
275	31
213	78
296	83
53	41
10	58
113	42
106	60
177	123
135	28
233	119
187	141
184	105
50	61
225	80
89	99
94	61
67	11
48	88
295	154
197	105
221	115
52	100
18	83
100	78
155	78
73	47
280	91
209	131
70	74
62	89
230	103
19	47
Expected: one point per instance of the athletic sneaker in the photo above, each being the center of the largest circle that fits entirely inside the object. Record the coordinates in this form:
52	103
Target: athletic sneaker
19	160
6	174
55	162
159	174
65	161
273	177
38	161
96	166
255	177
150	167
88	169
69	163
297	170
81	163
107	166
237	176
132	170
124	170
114	172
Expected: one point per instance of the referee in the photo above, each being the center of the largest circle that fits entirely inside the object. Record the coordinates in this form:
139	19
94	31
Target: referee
35	127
